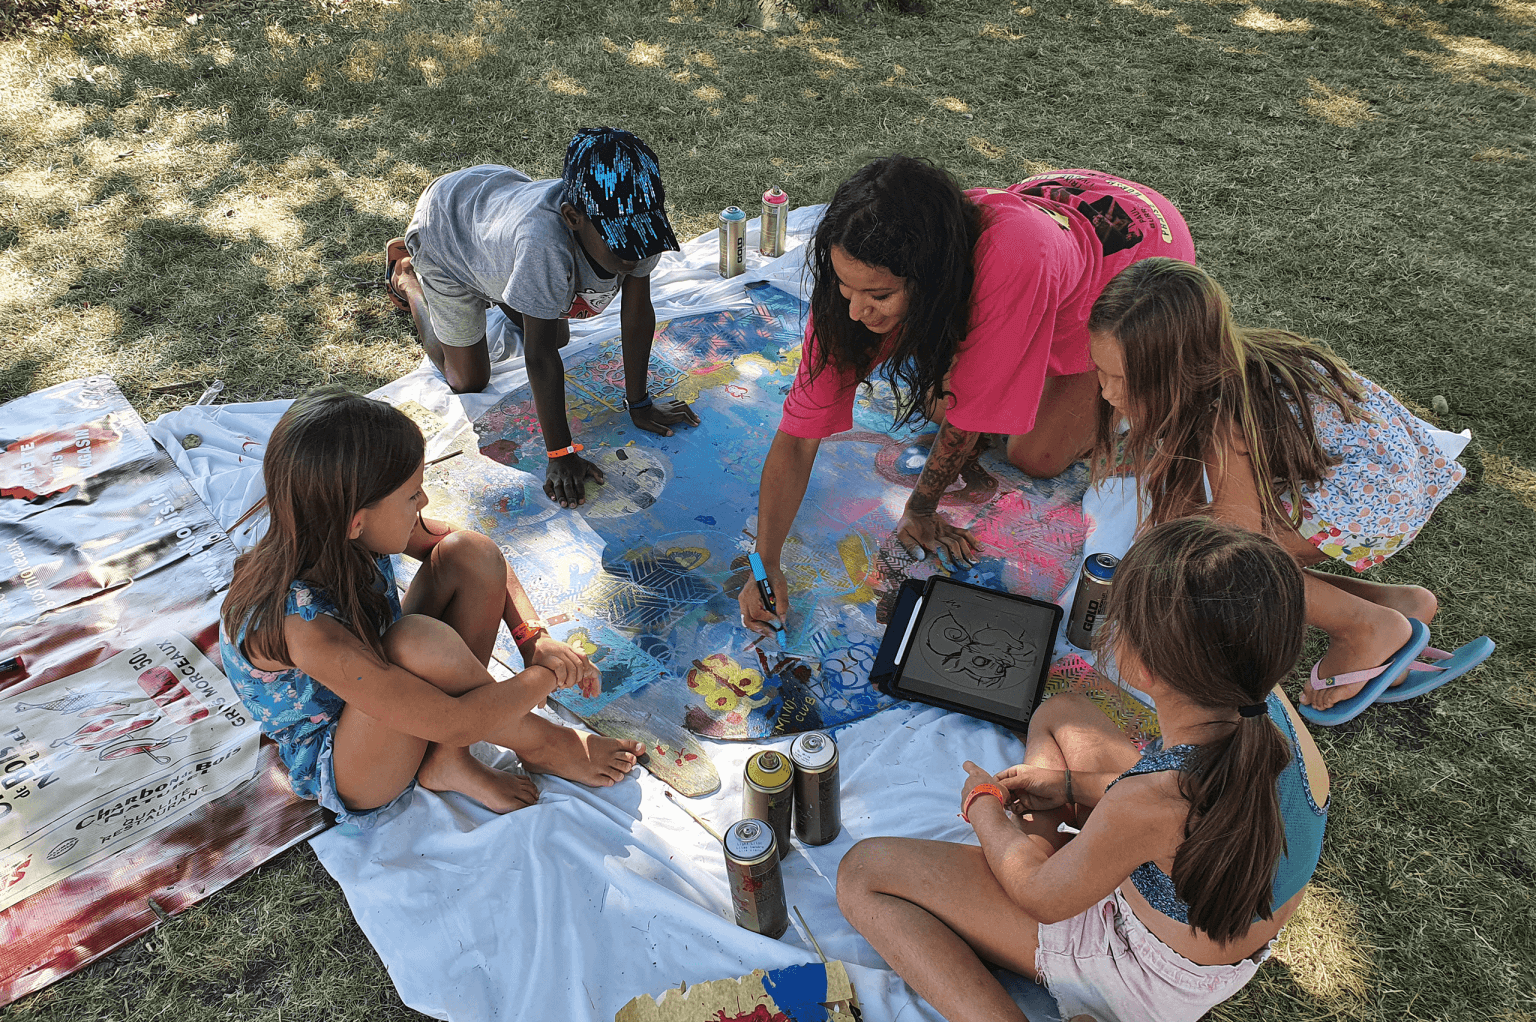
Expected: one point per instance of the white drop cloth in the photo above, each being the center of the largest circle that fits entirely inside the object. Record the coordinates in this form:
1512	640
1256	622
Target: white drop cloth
567	909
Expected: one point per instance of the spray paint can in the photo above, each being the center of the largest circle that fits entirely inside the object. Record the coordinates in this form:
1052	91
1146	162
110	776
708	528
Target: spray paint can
733	241
818	806
757	886
1091	599
773	228
769	794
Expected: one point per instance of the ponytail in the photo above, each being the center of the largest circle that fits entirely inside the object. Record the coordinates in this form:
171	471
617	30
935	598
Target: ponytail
1218	612
1234	837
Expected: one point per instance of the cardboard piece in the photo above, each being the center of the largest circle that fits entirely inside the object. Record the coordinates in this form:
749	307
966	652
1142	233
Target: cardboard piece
798	993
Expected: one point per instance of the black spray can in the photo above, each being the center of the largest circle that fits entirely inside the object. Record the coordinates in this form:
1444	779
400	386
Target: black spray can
769	794
1091	600
818	807
757	886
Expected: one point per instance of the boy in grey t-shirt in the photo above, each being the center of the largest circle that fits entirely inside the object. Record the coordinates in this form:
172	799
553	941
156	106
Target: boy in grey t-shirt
545	252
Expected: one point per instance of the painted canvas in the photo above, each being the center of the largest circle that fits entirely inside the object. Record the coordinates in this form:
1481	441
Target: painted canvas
646	574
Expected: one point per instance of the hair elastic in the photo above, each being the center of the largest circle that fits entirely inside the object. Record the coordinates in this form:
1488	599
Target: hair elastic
637	405
1253	710
562	452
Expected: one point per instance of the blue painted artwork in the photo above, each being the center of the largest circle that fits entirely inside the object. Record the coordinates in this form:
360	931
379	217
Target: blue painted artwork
645	575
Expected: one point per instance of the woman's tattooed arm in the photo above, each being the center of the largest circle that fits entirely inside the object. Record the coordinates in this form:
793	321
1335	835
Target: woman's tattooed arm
949	454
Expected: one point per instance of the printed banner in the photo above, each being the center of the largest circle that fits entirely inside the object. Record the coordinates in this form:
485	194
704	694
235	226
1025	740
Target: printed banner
109	756
100	536
103	546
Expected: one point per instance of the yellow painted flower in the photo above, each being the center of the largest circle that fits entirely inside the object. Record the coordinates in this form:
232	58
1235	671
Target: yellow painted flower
725	685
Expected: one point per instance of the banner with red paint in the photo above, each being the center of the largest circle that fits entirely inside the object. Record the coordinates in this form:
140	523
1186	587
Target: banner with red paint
109	756
106	555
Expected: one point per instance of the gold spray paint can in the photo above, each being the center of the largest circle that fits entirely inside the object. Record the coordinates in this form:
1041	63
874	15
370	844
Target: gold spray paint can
733	241
769	794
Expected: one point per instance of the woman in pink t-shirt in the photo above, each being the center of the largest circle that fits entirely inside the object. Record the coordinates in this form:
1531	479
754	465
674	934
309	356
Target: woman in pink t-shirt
974	306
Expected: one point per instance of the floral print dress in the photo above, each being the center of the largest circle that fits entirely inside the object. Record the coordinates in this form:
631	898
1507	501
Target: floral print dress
1391	477
293	709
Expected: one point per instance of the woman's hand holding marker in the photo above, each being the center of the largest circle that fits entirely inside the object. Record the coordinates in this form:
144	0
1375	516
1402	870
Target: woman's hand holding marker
765	600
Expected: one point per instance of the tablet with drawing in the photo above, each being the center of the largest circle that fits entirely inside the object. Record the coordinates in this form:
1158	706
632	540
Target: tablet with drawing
968	648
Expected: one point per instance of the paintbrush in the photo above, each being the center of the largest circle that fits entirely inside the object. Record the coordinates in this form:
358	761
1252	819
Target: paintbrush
811	935
712	832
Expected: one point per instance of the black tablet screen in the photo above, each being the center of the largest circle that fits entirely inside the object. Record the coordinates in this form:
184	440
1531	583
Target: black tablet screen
978	648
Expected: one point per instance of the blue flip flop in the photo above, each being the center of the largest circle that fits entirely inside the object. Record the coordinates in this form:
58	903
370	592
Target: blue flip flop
1436	667
1377	680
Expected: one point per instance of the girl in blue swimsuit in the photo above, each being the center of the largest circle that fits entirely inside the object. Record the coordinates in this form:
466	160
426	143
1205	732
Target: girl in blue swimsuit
1193	853
369	693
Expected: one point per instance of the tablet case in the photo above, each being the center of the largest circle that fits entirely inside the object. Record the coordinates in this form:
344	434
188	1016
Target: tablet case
1039	624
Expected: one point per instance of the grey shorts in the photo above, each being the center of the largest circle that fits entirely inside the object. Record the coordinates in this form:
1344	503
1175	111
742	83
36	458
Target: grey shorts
457	315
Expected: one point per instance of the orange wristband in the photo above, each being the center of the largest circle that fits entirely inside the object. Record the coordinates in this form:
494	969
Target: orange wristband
982	789
562	452
527	630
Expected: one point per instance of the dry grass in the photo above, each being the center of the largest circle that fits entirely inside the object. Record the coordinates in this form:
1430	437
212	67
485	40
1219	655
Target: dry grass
184	198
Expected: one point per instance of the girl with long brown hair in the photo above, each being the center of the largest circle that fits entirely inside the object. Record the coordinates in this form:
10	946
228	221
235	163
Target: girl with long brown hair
1272	432
367	693
1192	854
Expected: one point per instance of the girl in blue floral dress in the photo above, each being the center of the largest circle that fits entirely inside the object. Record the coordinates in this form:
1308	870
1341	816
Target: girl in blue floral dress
367	694
1272	432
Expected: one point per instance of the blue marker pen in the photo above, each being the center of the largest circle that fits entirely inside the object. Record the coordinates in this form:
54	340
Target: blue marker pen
764	589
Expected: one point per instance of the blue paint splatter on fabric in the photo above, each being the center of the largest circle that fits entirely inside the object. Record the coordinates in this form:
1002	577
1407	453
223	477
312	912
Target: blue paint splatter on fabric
706	519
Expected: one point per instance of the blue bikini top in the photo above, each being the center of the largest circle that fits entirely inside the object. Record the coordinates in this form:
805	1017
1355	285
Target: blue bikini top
1303	818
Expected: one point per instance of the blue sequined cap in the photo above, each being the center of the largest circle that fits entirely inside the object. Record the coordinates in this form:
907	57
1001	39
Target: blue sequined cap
613	178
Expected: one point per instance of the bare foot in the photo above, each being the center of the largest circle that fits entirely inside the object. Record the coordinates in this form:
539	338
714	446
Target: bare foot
452	768
399	277
1409	601
594	760
1367	647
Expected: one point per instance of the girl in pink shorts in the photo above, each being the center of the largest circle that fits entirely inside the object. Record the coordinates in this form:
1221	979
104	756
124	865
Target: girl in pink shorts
1192	853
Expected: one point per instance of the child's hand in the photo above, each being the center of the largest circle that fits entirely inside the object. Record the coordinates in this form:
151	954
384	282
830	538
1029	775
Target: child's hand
565	479
1034	788
976	775
661	413
569	665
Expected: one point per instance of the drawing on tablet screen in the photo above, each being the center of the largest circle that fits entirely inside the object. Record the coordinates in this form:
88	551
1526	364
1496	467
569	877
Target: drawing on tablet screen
985	652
